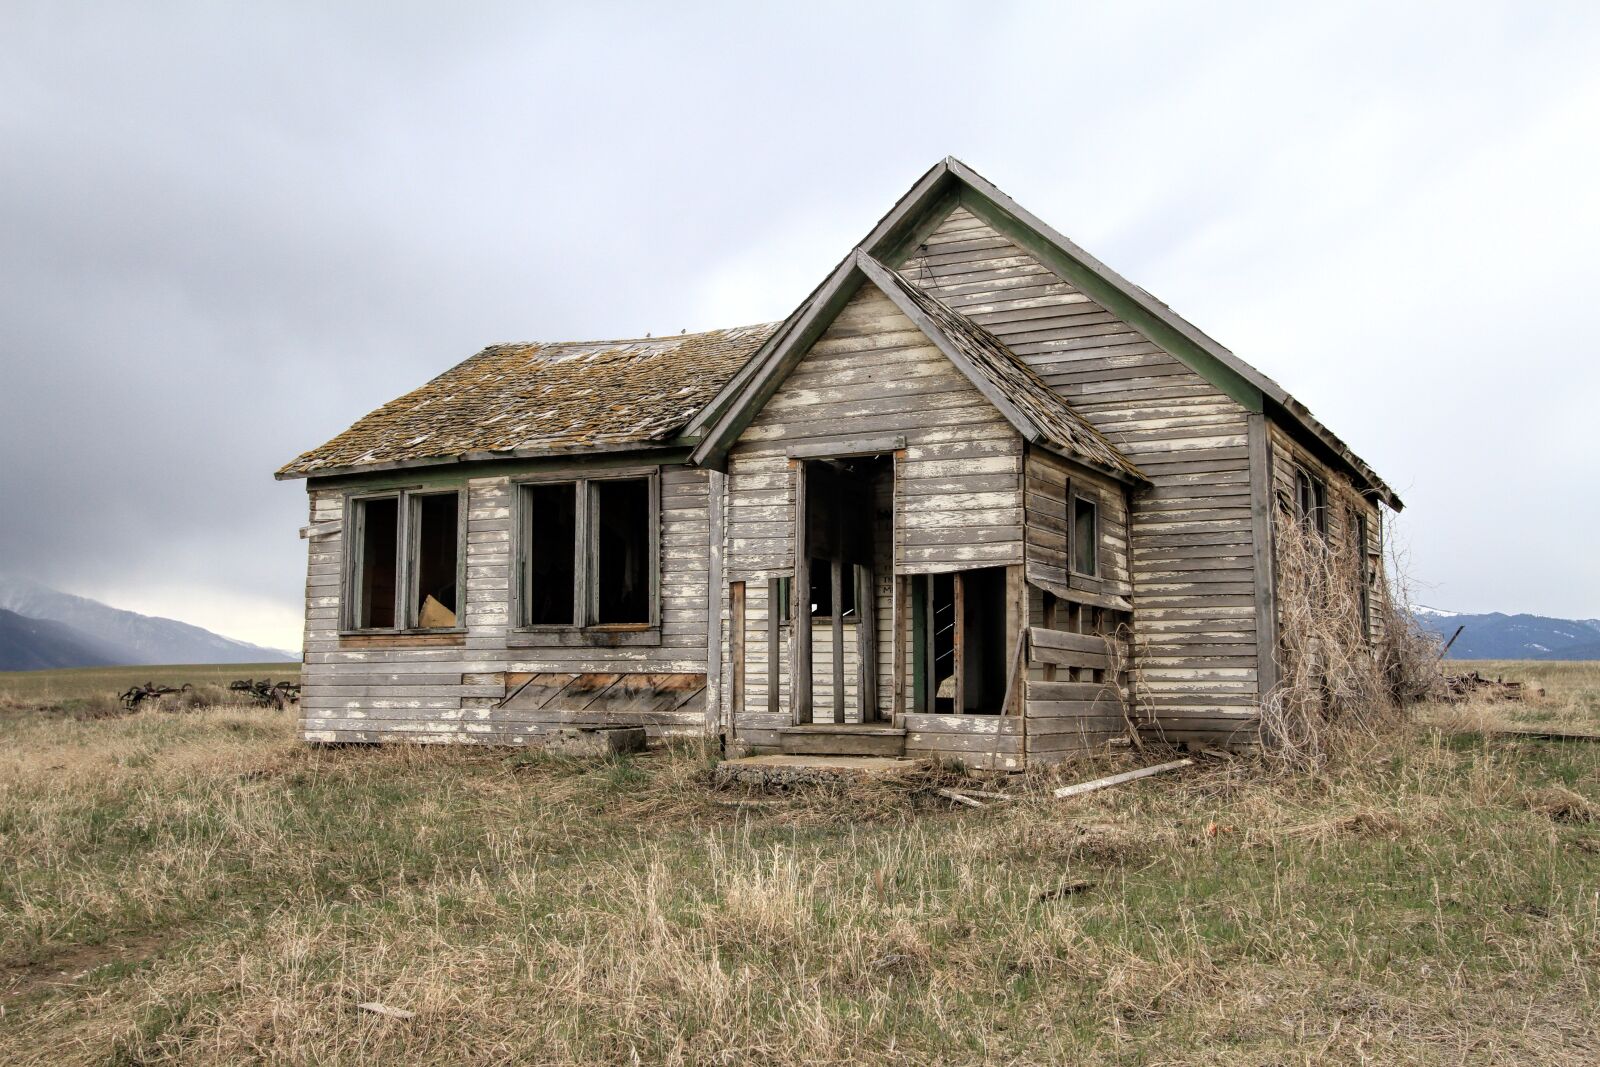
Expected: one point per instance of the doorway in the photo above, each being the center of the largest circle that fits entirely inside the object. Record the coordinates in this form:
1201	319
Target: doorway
843	541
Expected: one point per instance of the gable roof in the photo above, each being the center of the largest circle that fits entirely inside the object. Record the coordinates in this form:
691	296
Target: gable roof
1038	412
951	182
515	400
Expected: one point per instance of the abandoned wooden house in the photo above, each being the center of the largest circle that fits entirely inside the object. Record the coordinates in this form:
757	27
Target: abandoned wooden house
979	496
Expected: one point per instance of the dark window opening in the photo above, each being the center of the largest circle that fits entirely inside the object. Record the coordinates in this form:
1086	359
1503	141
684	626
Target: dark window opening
942	626
552	524
380	541
960	642
1310	502
435	593
622	551
1085	536
783	588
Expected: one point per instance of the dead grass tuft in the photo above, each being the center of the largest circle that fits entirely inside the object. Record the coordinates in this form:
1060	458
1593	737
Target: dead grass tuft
1560	804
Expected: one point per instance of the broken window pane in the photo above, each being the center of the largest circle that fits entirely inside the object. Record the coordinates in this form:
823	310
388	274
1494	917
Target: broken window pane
435	593
622	550
1085	536
552	517
380	532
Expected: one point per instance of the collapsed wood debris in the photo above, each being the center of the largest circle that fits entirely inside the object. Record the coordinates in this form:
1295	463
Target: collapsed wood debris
1460	687
1118	779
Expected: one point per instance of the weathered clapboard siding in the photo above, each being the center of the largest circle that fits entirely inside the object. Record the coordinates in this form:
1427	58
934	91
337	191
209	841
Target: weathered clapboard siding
983	742
1050	483
451	693
957	494
1343	498
1191	542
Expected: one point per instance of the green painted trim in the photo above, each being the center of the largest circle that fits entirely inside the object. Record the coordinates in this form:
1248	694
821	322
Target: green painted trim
897	245
1114	300
455	474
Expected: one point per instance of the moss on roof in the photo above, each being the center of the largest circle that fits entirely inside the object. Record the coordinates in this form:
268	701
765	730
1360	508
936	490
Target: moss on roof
517	399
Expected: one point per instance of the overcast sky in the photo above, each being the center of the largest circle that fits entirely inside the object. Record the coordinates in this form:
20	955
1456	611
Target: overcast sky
228	230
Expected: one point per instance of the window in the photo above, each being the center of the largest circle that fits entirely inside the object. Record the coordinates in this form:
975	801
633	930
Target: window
1366	573
1085	536
1310	501
589	553
405	561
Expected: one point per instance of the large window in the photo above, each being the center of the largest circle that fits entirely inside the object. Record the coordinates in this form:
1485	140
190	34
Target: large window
405	561
589	553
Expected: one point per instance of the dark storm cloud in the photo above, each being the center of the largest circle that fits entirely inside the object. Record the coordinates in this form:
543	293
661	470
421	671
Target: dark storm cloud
227	231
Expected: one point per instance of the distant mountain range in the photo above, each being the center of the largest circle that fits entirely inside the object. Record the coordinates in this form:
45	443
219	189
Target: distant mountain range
42	627
1498	636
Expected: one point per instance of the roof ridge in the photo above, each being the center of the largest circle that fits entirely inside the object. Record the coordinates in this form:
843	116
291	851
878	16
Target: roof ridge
630	340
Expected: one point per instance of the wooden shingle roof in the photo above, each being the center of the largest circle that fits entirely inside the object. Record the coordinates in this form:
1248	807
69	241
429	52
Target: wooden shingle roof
530	399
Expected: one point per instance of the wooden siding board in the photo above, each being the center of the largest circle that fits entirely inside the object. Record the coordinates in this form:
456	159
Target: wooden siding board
1195	525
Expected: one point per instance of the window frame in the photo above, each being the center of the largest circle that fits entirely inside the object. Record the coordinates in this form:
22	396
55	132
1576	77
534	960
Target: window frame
407	531
583	630
1093	500
1366	573
1314	517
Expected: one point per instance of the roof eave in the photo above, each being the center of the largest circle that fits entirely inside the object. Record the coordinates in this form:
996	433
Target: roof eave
544	452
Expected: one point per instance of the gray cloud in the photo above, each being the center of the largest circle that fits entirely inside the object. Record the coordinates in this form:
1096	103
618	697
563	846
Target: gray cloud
229	231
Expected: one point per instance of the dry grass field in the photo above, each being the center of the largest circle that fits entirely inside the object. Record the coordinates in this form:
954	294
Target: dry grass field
195	886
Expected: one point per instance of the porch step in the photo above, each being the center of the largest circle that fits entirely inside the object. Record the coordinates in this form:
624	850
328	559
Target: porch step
841	739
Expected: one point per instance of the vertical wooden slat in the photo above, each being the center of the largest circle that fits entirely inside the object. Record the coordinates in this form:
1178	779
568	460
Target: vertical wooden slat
899	619
1051	610
836	590
716	483
1016	619
800	606
736	611
774	629
866	643
1263	559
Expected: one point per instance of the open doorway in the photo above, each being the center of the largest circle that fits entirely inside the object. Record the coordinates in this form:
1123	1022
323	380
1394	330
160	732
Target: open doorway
959	642
844	541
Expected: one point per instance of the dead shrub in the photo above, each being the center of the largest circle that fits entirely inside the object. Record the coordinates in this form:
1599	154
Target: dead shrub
1335	679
